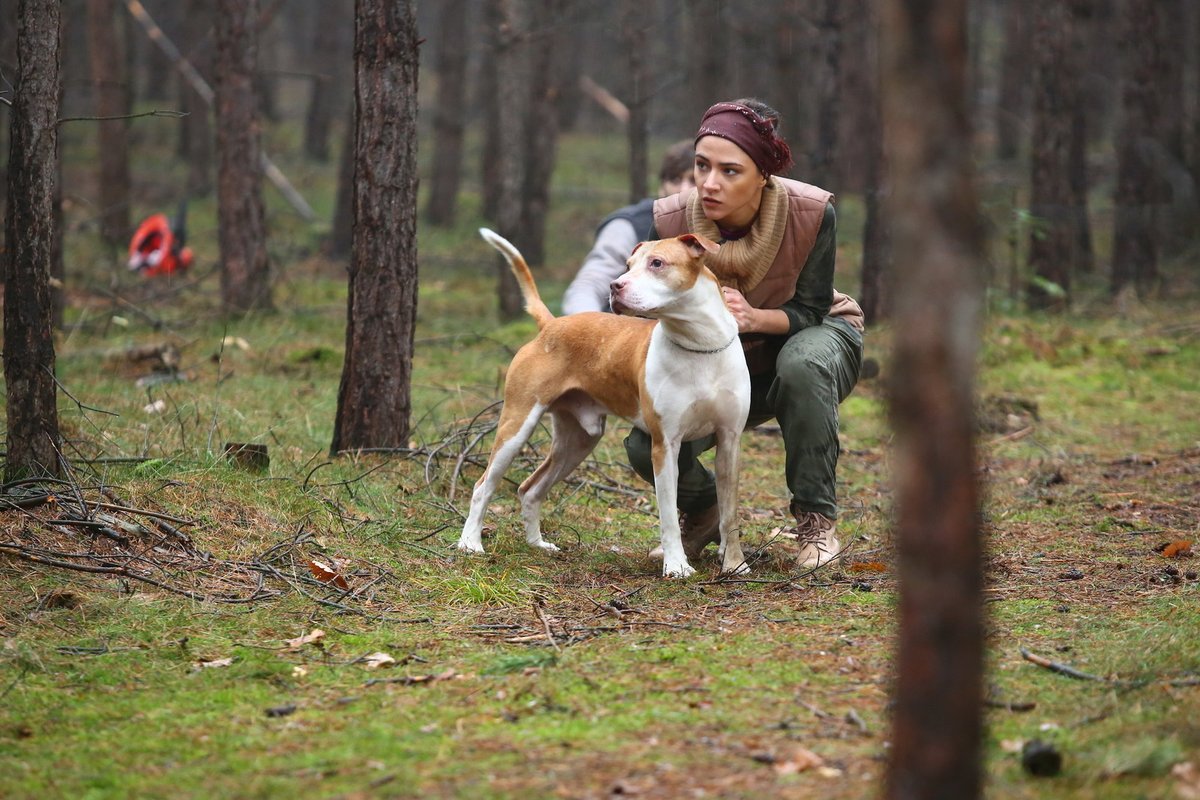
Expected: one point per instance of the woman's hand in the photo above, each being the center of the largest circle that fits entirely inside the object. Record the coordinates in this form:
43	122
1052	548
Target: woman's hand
754	320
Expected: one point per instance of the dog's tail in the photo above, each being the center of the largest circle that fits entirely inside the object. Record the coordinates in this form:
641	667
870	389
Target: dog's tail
533	301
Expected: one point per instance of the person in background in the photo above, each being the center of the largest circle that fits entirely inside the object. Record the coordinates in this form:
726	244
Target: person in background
621	231
802	339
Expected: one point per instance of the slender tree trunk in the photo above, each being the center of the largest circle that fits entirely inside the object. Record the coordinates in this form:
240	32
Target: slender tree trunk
1139	190
634	39
198	141
859	76
708	66
329	51
937	726
449	117
1053	204
541	128
488	100
829	101
374	402
341	237
108	87
241	217
876	243
34	440
1012	103
514	80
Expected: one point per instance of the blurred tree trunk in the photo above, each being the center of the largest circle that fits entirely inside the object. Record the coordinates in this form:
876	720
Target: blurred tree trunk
790	57
828	98
708	65
108	86
329	46
341	237
33	437
1192	103
488	99
512	90
1013	101
937	725
197	128
858	95
374	399
541	126
634	39
1083	118
159	70
876	241
450	114
1056	204
8	57
241	217
1139	189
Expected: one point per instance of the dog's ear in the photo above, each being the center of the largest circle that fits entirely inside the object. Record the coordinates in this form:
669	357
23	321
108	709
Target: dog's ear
635	248
699	245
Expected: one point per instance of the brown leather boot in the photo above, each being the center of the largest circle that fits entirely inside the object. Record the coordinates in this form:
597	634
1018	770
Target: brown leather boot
814	534
698	530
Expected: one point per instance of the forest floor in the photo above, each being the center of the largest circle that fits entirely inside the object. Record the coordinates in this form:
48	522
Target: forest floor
173	625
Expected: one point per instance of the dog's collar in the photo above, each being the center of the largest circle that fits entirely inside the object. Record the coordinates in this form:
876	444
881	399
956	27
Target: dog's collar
702	352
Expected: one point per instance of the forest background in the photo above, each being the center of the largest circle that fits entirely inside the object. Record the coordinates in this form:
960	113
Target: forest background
162	617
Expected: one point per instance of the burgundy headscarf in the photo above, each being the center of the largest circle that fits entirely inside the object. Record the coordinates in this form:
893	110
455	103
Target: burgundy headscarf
750	131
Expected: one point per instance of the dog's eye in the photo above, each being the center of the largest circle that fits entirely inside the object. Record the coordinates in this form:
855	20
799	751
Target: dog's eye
656	263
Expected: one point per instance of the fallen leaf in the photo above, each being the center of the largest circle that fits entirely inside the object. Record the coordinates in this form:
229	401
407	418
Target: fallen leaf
315	635
868	566
327	574
377	660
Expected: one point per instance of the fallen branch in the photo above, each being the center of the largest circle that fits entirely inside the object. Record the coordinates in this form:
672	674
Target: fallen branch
1071	672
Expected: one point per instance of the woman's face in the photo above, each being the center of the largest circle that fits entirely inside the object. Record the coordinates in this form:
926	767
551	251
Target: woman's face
729	183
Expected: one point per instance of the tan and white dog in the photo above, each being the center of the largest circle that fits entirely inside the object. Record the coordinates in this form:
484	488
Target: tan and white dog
679	376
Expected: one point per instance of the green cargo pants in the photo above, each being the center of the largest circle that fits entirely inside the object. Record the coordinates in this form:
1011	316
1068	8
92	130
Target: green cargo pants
815	371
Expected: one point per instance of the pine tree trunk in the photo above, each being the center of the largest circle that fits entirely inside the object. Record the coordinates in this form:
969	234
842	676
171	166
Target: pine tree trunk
241	218
938	248
1012	102
328	53
34	440
633	37
449	117
1053	238
108	88
374	399
541	128
491	172
512	96
1138	190
341	237
198	150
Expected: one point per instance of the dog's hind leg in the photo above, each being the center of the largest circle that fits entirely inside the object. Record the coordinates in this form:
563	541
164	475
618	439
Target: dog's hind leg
515	427
572	443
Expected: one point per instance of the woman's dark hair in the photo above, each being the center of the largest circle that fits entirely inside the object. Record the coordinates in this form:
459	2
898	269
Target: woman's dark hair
763	110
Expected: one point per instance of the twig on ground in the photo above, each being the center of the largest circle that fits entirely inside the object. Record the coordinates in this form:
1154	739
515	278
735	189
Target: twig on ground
1071	672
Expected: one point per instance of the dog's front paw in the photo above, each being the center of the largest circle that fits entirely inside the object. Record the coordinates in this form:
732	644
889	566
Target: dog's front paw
680	570
549	547
468	546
